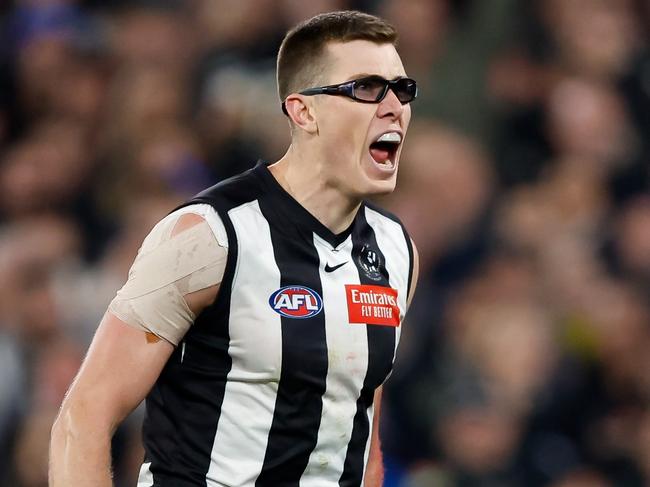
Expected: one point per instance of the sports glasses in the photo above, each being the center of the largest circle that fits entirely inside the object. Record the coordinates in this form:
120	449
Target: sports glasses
371	89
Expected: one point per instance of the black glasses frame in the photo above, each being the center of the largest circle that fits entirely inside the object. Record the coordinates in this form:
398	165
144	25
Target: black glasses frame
347	89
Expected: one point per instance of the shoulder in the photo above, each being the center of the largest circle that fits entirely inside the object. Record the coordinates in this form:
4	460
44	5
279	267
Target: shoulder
383	212
394	230
230	192
194	213
213	203
387	218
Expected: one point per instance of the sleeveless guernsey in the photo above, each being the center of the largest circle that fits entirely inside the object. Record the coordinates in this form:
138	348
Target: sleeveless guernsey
273	384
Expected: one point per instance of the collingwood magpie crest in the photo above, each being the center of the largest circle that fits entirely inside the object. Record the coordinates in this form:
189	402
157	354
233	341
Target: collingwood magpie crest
370	261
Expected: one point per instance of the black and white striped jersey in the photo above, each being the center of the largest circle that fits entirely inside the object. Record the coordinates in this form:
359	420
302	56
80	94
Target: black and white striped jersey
273	384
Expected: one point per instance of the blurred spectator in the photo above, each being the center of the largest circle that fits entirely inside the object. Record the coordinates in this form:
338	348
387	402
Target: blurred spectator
45	171
593	38
154	33
524	182
583	478
587	120
31	452
444	175
632	240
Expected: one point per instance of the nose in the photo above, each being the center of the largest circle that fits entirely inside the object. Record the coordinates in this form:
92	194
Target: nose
390	106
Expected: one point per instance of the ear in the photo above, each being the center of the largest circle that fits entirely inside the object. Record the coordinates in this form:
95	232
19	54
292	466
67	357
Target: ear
301	113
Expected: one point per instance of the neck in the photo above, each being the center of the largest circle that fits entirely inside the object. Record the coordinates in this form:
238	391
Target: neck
301	176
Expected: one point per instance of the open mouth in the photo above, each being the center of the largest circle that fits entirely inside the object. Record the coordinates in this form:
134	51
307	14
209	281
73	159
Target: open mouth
384	149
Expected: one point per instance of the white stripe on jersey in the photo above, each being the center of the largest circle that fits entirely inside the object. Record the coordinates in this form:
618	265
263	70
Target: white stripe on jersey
145	479
255	345
390	239
347	347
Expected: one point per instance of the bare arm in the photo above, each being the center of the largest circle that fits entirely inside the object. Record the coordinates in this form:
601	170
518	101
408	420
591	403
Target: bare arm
120	368
416	272
375	469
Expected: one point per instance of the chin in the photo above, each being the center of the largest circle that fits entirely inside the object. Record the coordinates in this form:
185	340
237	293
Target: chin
377	187
376	179
384	187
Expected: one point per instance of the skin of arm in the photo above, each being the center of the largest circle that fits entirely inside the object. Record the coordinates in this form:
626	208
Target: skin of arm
121	366
374	476
375	469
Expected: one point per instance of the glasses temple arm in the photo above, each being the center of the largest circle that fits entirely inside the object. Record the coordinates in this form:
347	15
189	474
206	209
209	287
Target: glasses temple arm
314	91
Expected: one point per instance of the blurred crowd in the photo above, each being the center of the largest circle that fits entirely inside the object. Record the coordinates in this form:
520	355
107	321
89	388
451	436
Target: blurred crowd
525	183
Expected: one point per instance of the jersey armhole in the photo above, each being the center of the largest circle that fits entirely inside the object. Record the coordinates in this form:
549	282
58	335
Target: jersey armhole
225	232
409	246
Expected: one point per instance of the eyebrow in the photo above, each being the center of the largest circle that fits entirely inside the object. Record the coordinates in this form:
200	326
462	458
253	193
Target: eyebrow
370	75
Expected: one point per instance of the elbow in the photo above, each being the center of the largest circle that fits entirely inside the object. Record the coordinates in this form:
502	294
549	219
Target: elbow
59	427
58	447
77	422
61	431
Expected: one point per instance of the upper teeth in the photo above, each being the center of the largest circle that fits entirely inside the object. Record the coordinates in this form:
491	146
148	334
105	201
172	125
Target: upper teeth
390	137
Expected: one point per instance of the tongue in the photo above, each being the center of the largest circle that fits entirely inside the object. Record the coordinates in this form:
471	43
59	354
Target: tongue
380	155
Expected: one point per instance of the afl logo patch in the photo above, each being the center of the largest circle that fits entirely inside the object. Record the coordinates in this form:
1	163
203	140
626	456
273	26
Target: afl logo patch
296	302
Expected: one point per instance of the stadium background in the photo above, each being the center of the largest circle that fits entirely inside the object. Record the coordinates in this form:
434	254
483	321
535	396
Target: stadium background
524	182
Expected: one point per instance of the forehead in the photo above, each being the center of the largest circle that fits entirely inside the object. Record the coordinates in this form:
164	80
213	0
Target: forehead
347	60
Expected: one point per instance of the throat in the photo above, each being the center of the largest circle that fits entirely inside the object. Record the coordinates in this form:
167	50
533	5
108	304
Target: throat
324	202
337	214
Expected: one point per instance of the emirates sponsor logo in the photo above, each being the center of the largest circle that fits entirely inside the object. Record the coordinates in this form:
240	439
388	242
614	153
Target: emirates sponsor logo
373	305
372	297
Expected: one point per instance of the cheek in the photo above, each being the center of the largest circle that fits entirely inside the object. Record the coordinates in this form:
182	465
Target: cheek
406	117
346	134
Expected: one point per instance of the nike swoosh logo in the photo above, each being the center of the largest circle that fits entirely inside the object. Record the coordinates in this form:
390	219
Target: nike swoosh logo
332	269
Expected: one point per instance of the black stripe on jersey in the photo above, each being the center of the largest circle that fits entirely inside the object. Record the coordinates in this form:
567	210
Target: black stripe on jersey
298	406
192	388
381	348
407	238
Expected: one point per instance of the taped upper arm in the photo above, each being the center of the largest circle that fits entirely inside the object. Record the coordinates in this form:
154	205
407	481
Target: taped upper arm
174	277
199	299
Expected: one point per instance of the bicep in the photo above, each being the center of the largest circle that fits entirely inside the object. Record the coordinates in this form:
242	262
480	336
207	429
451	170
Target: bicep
174	277
120	368
375	469
376	415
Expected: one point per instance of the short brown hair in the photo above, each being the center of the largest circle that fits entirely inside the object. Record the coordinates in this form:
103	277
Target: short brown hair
301	50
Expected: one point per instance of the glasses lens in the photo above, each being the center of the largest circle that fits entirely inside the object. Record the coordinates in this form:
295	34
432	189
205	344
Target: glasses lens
405	89
369	89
